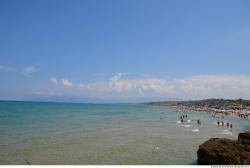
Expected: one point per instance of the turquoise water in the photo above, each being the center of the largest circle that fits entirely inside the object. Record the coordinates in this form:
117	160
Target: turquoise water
63	133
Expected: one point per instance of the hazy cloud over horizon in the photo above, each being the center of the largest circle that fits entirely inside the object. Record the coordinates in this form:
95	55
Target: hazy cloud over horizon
192	87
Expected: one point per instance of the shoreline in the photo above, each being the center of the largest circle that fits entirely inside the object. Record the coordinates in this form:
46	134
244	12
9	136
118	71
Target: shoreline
245	115
237	108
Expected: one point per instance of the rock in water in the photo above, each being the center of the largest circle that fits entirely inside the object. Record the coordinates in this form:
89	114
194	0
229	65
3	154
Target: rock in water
220	151
244	138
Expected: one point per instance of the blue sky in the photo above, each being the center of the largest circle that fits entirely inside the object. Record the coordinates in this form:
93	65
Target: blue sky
74	49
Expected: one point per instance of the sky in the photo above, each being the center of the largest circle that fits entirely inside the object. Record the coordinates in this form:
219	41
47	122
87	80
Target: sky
124	51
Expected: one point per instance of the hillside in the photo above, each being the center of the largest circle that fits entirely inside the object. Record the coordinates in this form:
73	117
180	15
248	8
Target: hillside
227	104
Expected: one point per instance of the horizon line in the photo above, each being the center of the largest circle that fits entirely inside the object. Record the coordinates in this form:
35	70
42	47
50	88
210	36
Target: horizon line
142	102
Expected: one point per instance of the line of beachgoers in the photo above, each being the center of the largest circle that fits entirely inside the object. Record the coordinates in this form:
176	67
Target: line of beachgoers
215	113
226	107
243	114
184	118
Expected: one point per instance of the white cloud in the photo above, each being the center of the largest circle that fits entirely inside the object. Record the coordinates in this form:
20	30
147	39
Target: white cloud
193	87
66	83
141	86
207	86
119	87
53	80
30	70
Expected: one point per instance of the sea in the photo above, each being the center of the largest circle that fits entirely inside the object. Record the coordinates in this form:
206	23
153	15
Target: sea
41	133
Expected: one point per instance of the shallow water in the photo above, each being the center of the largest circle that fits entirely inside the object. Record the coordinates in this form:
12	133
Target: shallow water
61	133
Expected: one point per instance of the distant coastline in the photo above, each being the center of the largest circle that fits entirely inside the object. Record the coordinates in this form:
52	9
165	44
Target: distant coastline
239	107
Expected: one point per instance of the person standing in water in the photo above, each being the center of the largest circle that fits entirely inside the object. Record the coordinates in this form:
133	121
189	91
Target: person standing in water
198	122
218	122
231	126
222	123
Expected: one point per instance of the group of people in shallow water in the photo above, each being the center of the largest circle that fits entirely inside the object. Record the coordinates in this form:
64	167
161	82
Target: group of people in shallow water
227	124
236	114
243	116
219	123
183	116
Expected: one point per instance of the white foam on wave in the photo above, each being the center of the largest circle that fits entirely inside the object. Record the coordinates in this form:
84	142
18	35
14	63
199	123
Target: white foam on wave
226	132
154	147
188	120
186	126
157	148
178	121
195	130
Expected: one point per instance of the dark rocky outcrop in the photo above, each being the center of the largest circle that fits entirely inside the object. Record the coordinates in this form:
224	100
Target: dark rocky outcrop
220	151
244	138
